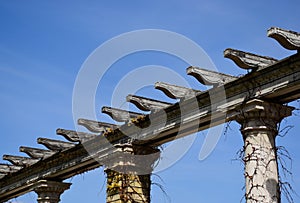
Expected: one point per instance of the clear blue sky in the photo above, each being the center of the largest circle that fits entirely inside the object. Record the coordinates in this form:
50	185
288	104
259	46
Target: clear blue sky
44	43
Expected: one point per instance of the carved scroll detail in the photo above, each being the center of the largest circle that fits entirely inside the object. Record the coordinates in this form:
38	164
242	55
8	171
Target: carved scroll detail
96	126
247	60
74	136
19	160
288	39
176	92
37	153
147	104
208	77
55	145
119	115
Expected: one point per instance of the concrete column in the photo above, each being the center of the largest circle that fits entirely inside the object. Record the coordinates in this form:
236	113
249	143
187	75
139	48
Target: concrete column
50	191
129	174
259	121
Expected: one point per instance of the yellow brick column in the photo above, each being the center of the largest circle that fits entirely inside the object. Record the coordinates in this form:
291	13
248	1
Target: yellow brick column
129	174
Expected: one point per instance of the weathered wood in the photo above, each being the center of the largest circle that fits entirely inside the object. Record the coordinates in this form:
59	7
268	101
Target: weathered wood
119	115
74	136
37	153
7	169
96	126
55	145
147	104
2	175
176	92
19	160
288	39
247	60
208	77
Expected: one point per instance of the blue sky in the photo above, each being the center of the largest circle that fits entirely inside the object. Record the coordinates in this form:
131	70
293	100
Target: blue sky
43	44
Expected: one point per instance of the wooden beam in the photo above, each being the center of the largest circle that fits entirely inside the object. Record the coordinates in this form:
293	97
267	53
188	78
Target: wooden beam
19	160
7	169
147	104
176	92
96	126
74	136
248	60
286	38
208	77
119	115
36	153
55	145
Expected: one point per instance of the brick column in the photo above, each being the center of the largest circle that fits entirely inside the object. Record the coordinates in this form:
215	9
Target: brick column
259	121
129	174
50	191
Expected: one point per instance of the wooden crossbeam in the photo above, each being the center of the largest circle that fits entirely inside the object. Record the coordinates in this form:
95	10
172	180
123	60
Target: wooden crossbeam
74	136
36	153
176	92
248	60
119	115
55	145
147	104
288	39
208	77
96	126
7	169
19	160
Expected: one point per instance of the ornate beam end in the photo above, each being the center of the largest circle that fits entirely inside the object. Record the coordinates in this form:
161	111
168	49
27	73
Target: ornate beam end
174	91
147	104
208	77
55	145
248	60
119	115
36	153
286	38
74	136
19	160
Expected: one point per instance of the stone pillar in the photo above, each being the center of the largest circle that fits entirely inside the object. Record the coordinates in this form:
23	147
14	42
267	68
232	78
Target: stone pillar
259	121
50	191
129	174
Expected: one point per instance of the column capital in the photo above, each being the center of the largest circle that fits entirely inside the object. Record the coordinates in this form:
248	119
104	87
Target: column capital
50	191
133	159
259	115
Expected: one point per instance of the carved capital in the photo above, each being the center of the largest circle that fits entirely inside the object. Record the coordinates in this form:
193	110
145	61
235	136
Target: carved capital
133	159
258	115
50	191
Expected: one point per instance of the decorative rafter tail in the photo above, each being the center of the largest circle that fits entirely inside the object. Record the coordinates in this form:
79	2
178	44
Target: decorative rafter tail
36	153
19	160
147	104
96	126
286	38
208	77
119	115
74	136
248	60
176	92
55	145
7	169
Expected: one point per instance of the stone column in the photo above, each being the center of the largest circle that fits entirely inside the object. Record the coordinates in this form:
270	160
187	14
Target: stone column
50	191
259	121
129	174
